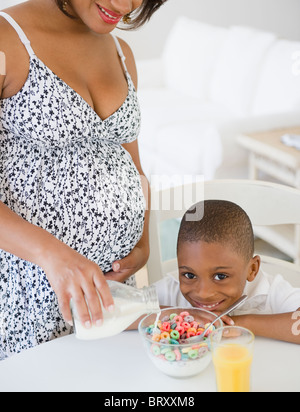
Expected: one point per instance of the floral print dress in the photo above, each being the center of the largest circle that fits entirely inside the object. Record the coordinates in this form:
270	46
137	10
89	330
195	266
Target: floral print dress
64	169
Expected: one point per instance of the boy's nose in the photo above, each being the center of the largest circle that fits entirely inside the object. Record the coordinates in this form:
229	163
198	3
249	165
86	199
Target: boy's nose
204	292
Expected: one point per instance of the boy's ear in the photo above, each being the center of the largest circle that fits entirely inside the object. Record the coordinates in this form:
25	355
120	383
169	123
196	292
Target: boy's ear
254	266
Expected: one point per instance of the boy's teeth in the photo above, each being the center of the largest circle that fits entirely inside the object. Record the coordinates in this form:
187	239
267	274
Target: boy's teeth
211	306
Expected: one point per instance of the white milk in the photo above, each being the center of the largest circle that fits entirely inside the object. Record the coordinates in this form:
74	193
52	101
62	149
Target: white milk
182	369
125	313
130	303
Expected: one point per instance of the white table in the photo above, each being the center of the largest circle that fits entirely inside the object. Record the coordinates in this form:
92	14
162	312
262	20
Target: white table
268	154
120	364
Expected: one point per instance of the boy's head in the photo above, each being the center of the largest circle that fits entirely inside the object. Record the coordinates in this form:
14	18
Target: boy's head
215	255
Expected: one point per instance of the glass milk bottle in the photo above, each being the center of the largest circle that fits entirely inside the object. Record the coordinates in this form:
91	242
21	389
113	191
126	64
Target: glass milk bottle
130	303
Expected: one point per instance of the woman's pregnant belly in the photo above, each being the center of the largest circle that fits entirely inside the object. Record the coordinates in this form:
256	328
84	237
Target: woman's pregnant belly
89	196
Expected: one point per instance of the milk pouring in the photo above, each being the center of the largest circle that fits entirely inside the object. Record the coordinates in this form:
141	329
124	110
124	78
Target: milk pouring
130	303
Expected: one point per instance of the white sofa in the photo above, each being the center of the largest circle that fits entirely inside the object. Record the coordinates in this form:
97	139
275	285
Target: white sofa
210	85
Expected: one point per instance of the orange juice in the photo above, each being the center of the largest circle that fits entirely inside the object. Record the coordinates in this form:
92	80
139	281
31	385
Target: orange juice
233	365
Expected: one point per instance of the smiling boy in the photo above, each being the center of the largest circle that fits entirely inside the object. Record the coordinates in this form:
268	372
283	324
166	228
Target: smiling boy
217	266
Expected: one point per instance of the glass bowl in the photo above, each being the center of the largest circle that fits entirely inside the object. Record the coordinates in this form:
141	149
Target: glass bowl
176	357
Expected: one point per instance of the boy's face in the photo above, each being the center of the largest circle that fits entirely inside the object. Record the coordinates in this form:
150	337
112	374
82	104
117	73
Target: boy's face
213	276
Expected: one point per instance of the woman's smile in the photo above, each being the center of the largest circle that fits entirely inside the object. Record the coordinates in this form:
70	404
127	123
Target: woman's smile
109	16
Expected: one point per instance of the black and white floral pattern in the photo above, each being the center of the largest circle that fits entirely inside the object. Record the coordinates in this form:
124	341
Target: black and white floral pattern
63	168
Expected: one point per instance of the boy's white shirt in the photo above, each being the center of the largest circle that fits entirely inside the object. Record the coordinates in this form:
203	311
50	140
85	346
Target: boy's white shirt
267	294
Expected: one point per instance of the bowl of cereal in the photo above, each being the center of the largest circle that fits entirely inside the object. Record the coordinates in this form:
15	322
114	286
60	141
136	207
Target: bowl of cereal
165	337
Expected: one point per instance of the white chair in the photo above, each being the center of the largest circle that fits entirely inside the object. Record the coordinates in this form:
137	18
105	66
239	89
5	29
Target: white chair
266	204
290	271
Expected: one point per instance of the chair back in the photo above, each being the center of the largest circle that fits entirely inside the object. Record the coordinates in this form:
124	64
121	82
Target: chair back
265	203
289	271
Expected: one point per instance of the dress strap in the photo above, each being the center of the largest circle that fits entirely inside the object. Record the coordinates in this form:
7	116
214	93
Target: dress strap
19	31
120	53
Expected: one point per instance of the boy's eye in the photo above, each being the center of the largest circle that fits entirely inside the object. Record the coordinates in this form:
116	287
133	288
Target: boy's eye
220	276
189	276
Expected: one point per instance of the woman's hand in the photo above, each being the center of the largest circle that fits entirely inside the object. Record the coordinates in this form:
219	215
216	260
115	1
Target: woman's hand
72	276
124	268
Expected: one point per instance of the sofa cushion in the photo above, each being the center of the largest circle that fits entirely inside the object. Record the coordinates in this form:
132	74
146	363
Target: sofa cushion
278	87
190	54
237	69
188	149
162	108
179	134
150	73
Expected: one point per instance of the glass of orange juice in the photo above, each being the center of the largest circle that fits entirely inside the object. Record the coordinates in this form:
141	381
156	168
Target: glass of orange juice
232	350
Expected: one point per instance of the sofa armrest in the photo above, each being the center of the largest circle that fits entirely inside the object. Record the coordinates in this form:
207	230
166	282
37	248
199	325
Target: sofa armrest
263	123
235	157
150	73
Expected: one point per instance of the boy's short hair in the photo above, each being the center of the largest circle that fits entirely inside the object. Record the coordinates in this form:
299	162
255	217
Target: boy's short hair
222	222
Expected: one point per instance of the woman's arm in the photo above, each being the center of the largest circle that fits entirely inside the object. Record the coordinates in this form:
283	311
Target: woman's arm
70	274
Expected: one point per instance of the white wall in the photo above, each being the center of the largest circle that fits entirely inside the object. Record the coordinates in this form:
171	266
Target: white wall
9	3
279	16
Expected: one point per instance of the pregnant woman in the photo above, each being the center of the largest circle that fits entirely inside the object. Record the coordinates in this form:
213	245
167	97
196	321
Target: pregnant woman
72	194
